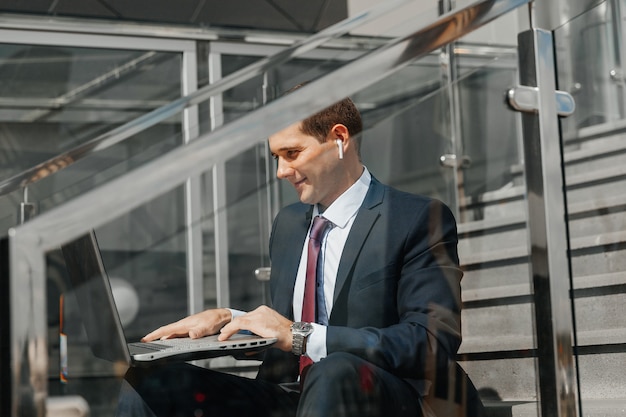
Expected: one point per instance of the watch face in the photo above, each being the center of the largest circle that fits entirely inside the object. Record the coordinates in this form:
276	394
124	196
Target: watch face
302	326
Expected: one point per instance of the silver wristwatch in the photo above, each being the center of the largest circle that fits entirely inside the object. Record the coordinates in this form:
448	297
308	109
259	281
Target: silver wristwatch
300	331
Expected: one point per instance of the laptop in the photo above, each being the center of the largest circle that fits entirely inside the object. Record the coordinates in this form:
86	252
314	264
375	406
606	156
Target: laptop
103	326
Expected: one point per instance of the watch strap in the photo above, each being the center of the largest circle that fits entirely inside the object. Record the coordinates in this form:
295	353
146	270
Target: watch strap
300	332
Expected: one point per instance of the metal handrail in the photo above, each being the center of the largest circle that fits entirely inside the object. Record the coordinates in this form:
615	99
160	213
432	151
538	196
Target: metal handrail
108	139
29	242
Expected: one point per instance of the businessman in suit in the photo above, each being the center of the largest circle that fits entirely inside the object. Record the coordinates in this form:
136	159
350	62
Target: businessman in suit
386	324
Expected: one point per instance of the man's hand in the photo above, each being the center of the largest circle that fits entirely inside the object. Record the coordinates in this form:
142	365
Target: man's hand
264	322
195	326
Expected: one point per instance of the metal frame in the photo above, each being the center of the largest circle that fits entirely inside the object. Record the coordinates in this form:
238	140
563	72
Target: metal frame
547	228
617	73
30	242
220	213
193	208
551	14
90	40
80	26
450	77
23	37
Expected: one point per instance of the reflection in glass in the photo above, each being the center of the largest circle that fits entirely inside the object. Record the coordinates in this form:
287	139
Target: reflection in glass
590	57
54	98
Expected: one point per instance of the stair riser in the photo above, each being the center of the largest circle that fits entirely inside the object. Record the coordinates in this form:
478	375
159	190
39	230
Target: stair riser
584	263
592	225
509	379
485	324
612	260
492	241
495	276
595	164
602	313
514	207
602	376
494	210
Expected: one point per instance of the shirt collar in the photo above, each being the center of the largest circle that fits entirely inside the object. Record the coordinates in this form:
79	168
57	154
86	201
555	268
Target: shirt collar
347	204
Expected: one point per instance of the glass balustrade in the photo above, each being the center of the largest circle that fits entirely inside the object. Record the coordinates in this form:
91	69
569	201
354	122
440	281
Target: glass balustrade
406	131
56	98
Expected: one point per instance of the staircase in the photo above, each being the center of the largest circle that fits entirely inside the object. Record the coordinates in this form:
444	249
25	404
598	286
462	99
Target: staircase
498	350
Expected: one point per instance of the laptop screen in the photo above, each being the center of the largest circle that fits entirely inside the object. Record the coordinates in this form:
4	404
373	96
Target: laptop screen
95	298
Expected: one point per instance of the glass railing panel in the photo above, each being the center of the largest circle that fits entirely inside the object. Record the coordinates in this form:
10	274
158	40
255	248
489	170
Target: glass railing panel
58	97
594	158
154	266
392	108
490	140
85	174
408	130
489	363
499	348
55	99
148	277
251	191
598	89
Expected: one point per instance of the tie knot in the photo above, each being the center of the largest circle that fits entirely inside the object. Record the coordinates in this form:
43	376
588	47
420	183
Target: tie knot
320	225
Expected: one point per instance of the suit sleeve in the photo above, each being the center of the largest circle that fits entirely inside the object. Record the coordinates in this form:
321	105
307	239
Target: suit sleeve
286	240
402	307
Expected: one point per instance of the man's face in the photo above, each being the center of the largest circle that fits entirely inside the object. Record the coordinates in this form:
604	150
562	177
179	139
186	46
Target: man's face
313	168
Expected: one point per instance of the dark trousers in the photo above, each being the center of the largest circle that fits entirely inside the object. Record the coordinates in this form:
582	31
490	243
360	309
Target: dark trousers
340	385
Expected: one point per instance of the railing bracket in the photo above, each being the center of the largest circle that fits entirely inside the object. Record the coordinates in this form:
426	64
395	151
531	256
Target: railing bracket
526	99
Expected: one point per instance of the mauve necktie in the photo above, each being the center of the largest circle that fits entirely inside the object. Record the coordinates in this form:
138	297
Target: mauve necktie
320	225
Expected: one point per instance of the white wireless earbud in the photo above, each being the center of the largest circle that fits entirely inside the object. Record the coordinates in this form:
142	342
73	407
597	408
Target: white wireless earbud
340	146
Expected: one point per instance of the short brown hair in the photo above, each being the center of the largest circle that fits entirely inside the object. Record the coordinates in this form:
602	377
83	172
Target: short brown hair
344	112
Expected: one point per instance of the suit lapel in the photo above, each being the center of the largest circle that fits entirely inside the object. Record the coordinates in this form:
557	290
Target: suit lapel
363	223
291	254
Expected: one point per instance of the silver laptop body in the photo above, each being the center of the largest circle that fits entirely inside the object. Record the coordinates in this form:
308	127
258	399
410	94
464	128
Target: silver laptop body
104	329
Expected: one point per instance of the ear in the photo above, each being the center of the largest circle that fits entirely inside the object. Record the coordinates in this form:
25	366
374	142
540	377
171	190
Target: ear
339	131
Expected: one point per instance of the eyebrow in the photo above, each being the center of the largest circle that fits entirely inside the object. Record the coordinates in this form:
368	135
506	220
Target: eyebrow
286	148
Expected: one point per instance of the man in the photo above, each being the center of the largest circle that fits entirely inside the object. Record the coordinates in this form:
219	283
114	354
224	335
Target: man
386	324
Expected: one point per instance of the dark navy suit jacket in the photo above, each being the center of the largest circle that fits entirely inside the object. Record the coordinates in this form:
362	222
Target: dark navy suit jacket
397	295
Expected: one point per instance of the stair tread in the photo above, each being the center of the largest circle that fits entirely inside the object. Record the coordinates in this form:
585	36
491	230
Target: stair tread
606	407
477	344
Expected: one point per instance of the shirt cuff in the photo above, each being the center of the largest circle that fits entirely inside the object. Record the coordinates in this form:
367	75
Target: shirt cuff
235	313
316	343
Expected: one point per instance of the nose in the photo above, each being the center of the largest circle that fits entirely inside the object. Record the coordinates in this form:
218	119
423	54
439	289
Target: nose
283	169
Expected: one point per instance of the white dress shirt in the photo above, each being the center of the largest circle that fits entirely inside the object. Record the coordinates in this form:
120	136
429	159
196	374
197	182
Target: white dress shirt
341	213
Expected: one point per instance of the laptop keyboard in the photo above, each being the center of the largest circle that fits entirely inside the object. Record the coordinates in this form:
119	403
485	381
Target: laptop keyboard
141	347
